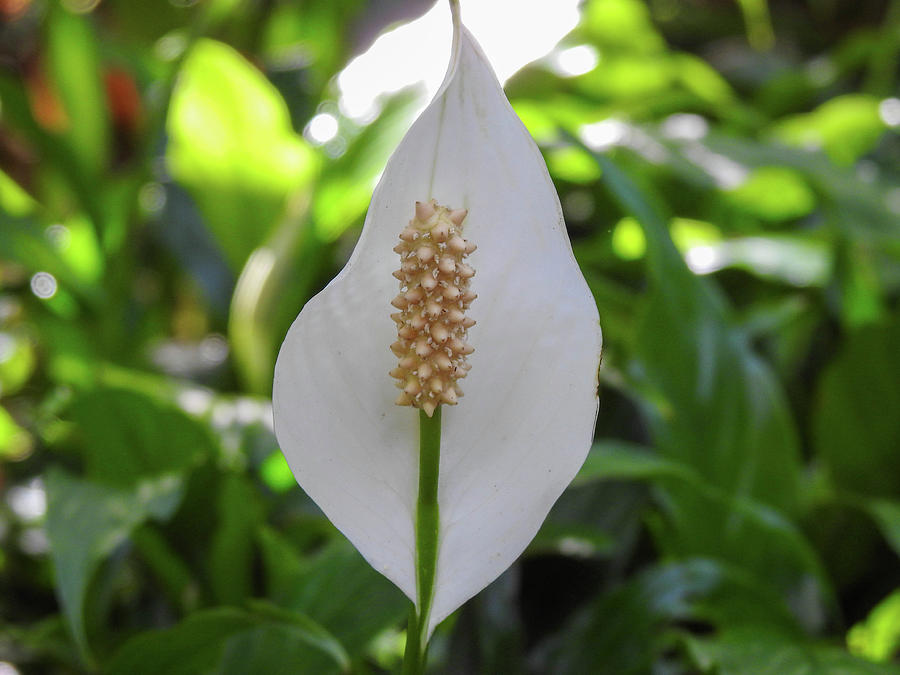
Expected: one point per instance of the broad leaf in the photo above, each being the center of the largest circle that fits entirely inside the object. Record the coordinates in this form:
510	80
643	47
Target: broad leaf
759	651
624	630
128	436
336	587
233	147
722	413
855	431
86	522
218	640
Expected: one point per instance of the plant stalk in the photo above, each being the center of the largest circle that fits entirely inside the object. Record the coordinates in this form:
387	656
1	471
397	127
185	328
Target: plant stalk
427	527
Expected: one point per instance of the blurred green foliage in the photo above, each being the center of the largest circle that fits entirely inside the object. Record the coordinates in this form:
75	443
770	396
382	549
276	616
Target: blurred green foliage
729	175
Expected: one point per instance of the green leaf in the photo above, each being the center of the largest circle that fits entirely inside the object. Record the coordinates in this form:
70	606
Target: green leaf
85	523
759	23
629	79
337	587
193	646
618	460
233	147
217	640
276	649
626	461
702	80
17	361
13	199
489	631
232	549
773	194
624	630
878	637
860	207
74	65
621	25
276	474
853	433
757	650
846	127
722	412
60	157
48	638
128	436
572	164
886	515
288	262
15	442
25	241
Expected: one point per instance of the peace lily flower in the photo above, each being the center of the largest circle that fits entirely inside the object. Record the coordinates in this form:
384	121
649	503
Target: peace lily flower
442	503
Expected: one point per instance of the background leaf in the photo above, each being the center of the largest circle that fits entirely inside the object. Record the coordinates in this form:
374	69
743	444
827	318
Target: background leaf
854	394
86	522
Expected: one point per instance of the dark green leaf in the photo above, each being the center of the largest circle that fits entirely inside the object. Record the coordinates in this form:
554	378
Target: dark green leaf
337	588
85	522
232	550
128	436
886	515
624	461
759	651
74	64
855	433
722	414
218	640
624	630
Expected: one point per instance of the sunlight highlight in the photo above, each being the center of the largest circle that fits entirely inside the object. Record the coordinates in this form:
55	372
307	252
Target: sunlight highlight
322	128
43	285
386	68
575	61
889	111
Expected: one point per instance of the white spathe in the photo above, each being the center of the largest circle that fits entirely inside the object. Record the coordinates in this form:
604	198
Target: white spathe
526	422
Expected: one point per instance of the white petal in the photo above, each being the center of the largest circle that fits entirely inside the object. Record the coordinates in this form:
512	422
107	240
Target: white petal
526	422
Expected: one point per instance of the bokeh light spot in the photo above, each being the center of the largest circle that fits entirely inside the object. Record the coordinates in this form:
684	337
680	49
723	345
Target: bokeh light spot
604	135
170	47
416	53
889	111
322	128
7	347
152	198
28	502
685	127
59	236
43	285
628	240
576	60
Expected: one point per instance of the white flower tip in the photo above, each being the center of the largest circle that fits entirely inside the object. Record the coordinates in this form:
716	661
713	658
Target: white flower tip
434	294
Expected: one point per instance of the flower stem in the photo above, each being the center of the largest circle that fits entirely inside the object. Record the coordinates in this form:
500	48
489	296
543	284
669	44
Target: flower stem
427	526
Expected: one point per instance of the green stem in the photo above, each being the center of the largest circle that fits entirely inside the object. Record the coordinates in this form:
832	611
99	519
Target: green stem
427	526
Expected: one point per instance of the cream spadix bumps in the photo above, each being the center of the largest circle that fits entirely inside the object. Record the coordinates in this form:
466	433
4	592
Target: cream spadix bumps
527	420
432	324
